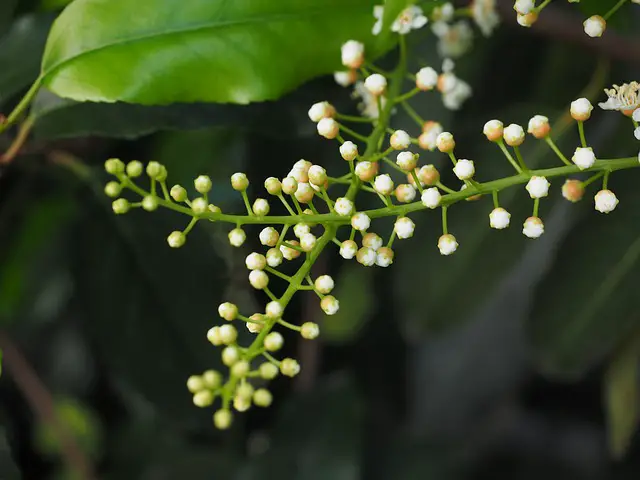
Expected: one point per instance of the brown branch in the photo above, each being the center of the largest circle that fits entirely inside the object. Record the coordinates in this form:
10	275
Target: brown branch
19	141
41	402
566	25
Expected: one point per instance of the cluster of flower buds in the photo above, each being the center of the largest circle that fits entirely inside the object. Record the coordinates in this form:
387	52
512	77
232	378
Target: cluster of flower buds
594	26
321	209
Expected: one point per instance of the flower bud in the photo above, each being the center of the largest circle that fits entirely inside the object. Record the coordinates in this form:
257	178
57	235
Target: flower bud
594	26
273	186
384	257
429	136
290	253
273	342
237	237
222	419
255	261
258	279
366	256
112	189
348	151
352	54
203	184
376	84
328	128
203	398
239	181
256	324
513	135
366	171
324	284
240	369
538	187
114	166
447	244
155	170
400	140
445	142
176	239
274	309
289	367
212	379
213	335
149	203
289	185
268	371
228	311
195	383
428	175
241	404
407	161
199	206
527	20
321	110
605	201
539	126
308	241
228	334
120	206
348	249
372	240
464	169
344	79
317	175
304	193
431	197
581	109
404	227
493	130
134	168
262	398
309	330
533	227
499	218
426	78
178	193
274	257
524	6
405	193
383	184
260	207
573	190
584	157
330	305
230	355
269	237
343	206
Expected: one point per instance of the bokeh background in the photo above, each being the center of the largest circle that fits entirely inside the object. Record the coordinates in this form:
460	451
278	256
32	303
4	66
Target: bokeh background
513	359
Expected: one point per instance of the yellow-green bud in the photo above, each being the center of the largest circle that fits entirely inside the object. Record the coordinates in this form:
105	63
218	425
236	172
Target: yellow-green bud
239	182
262	397
203	398
120	206
230	355
154	170
289	367
134	168
244	391
199	205
240	369
195	383
176	239
203	184
268	371
178	193
273	341
114	166
211	379
222	419
112	189
310	330
273	186
150	203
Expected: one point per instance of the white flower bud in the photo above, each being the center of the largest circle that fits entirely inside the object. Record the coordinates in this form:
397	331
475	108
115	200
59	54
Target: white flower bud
533	227
348	249
360	221
273	186
499	218
198	205
376	84
606	201
321	110
372	241
260	207
366	256
240	369
447	244
262	398
237	237
324	284
405	193
317	175
178	193
400	140
301	229
289	185
343	206
304	193
594	26
290	253
308	241
581	109
258	279
230	355
289	367
134	168
513	135
203	184
493	130
426	79
404	227
228	334
212	379
241	404
257	323
213	335
431	197
524	6
349	151
255	261
636	114
365	171
445	142
464	169
352	54
228	311
584	158
274	257
269	236
268	371
309	330
407	161
330	305
239	182
383	184
344	79
328	128
539	126
384	257
538	187
273	342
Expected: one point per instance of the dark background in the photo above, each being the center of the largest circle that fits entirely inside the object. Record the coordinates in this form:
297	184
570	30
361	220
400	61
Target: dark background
491	364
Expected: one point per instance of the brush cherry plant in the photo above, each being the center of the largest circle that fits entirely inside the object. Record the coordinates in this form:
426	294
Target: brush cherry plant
324	214
527	14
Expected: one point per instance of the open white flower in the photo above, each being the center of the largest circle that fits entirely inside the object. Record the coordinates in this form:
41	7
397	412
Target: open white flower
411	18
622	97
378	13
485	15
454	97
454	40
369	104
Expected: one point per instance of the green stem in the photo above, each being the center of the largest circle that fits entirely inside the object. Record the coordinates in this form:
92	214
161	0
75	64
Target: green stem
536	206
444	220
614	9
523	165
413	114
556	150
245	199
290	326
583	140
496	203
22	106
506	153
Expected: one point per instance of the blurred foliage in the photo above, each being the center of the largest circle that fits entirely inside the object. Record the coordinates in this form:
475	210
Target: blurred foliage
510	360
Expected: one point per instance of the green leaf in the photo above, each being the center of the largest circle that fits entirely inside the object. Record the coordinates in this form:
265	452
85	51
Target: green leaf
588	302
622	395
20	51
355	287
151	52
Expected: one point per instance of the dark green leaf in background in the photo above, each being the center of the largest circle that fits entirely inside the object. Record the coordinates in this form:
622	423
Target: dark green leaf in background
163	51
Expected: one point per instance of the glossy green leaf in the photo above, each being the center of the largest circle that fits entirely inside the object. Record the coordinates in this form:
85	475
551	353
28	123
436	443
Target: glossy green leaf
20	51
588	302
622	396
155	52
354	286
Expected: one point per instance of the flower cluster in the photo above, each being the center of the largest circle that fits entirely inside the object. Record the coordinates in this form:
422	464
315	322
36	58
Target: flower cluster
319	209
527	13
